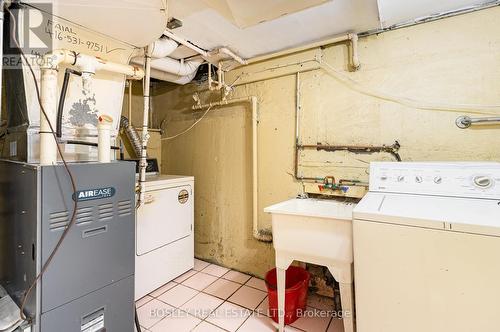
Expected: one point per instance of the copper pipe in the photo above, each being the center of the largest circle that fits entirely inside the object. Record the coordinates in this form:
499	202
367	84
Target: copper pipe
391	149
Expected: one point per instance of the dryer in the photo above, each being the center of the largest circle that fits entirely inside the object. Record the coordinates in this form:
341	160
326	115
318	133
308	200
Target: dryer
164	232
427	248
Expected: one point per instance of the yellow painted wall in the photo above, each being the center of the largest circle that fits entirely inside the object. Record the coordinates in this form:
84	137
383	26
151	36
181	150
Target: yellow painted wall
456	60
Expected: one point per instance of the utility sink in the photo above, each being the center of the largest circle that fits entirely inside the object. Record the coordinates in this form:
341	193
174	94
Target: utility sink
313	227
317	231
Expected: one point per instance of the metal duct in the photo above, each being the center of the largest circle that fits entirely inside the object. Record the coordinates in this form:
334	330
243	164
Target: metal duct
132	136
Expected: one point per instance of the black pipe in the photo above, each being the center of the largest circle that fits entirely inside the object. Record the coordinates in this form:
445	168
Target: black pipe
87	143
122	154
62	97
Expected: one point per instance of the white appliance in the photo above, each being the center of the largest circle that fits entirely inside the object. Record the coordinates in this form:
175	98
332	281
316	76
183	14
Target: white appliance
317	231
164	232
427	248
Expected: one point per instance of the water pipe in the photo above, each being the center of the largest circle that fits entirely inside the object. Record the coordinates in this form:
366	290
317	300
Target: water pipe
145	135
88	65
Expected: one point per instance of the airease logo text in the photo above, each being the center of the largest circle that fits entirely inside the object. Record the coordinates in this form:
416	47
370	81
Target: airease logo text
87	195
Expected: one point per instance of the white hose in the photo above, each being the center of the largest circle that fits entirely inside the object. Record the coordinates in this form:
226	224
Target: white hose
412	103
189	128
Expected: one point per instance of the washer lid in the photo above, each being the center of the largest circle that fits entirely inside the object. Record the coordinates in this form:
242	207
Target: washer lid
479	216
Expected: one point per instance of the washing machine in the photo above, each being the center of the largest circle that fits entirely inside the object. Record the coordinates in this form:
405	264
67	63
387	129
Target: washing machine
164	232
427	248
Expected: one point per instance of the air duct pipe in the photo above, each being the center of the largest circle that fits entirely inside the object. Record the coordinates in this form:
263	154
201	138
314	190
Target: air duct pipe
132	136
161	48
175	67
88	65
164	76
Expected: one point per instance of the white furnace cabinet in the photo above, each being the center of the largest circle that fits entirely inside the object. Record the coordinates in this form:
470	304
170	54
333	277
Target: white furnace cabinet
164	232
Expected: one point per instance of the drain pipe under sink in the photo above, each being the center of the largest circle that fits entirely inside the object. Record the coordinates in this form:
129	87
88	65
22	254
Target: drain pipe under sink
264	235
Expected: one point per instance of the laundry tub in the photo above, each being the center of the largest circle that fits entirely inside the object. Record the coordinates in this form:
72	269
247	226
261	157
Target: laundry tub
317	231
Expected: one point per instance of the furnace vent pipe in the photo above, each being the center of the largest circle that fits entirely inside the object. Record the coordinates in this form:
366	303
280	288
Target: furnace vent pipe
104	138
88	65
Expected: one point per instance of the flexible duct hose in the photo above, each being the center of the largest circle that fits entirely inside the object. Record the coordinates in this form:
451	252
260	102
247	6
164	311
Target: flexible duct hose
132	136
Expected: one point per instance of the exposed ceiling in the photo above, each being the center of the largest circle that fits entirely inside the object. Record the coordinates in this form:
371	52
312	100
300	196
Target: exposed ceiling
258	27
136	22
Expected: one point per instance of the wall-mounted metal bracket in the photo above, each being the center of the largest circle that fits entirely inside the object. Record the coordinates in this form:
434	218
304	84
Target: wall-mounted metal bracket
464	122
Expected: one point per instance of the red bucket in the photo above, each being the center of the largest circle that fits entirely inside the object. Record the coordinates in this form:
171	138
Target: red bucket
297	284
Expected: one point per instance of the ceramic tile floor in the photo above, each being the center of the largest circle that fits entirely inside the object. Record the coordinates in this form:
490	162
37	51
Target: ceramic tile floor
211	298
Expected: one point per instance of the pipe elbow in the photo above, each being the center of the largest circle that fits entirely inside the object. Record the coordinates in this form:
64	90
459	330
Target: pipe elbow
53	59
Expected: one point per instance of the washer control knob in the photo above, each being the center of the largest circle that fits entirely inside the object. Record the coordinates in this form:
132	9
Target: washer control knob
482	181
401	178
438	180
418	179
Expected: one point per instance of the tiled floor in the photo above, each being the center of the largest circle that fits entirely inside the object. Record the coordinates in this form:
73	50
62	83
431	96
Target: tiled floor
211	298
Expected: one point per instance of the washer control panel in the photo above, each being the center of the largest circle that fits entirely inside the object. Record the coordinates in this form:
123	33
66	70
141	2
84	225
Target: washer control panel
459	179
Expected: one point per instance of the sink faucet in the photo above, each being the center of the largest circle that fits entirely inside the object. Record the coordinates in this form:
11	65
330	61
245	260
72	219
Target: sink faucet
302	194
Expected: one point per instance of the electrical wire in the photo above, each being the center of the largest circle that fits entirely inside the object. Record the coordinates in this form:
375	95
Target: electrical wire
70	175
411	103
189	128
